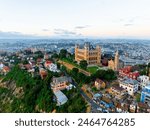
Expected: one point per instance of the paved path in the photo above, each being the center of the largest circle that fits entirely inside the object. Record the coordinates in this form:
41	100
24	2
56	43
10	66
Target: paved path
70	66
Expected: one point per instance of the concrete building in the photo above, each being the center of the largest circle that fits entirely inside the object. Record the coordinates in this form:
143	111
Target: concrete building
118	92
1	66
127	72
145	95
89	53
130	85
51	66
143	81
60	83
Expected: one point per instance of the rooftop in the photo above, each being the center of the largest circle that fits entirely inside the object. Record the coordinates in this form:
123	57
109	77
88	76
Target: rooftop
61	79
130	81
118	88
61	98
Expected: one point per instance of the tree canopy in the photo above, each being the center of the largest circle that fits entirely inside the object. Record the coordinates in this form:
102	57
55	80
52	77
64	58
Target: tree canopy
83	64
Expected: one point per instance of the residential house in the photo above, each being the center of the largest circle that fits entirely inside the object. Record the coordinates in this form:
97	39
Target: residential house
106	102
123	72
145	95
51	66
47	63
5	70
130	85
125	108
46	56
143	81
142	108
134	75
43	73
127	72
118	92
133	107
60	83
122	108
1	66
99	84
118	107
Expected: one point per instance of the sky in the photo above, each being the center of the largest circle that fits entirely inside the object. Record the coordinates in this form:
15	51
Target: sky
75	19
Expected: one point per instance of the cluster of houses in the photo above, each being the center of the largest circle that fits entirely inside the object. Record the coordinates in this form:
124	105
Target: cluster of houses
42	65
122	97
140	85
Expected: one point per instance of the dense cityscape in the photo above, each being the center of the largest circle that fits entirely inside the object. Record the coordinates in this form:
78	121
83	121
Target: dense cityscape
75	75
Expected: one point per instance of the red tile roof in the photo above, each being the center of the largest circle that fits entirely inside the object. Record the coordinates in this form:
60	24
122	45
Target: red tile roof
6	68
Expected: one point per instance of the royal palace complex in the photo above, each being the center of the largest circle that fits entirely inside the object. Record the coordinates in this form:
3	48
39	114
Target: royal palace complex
89	53
93	56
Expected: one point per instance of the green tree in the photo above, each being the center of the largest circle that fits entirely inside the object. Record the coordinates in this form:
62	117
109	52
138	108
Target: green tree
104	74
55	55
63	53
83	64
45	100
148	69
58	65
63	68
48	78
138	97
74	71
36	92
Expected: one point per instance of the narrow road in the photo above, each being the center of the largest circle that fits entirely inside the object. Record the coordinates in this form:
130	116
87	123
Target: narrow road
93	104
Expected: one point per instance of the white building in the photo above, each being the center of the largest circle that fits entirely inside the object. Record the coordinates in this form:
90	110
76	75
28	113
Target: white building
1	66
130	85
53	67
70	86
61	98
143	81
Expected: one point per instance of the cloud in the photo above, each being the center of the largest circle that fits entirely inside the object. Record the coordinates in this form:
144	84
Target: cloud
64	32
15	35
82	27
126	21
45	30
58	33
128	24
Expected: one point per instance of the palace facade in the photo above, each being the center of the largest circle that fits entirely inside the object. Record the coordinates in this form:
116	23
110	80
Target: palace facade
89	53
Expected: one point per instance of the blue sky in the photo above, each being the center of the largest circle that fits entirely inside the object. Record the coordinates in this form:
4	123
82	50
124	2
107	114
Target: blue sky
75	18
